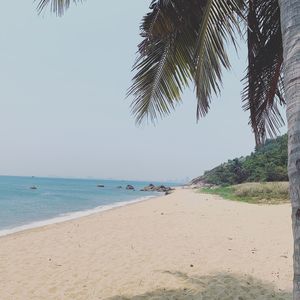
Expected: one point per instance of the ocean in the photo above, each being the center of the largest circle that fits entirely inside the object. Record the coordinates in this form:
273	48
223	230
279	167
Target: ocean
57	199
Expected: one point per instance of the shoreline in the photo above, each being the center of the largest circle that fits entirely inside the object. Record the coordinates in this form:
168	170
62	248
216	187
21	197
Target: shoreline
65	217
183	245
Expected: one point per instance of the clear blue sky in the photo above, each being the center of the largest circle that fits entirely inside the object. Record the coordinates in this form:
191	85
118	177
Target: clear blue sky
63	109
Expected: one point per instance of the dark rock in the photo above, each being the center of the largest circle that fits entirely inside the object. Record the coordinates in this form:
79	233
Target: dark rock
149	188
33	187
153	188
161	188
129	187
164	189
100	185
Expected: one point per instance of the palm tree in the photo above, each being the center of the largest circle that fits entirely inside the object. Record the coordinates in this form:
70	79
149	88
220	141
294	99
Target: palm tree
290	26
184	42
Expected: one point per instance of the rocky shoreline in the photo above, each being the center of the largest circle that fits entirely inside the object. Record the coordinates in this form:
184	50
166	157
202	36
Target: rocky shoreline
149	188
161	188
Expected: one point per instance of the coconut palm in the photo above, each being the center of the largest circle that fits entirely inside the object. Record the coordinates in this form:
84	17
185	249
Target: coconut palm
185	43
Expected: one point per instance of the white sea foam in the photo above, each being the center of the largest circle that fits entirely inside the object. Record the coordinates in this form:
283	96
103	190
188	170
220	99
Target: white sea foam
71	216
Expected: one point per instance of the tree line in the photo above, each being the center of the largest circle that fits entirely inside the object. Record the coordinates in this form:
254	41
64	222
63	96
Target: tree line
267	163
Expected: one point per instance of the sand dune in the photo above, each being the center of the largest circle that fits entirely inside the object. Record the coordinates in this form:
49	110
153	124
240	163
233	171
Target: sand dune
182	246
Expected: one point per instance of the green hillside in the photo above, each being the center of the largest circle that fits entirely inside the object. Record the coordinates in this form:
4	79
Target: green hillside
266	163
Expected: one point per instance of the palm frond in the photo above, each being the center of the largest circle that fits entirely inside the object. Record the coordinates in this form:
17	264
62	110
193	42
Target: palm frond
263	90
218	25
164	65
184	41
56	6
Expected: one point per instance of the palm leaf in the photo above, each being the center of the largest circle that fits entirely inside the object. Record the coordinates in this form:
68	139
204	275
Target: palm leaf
56	6
184	41
218	25
263	90
164	65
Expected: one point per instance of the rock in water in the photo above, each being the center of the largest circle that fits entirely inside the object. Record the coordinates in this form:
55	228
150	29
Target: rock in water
100	185
161	188
152	188
149	188
33	187
129	187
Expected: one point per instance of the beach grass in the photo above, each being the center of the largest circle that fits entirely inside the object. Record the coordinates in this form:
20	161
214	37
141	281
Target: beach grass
253	192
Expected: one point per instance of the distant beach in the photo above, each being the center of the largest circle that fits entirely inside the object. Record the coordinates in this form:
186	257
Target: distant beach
185	245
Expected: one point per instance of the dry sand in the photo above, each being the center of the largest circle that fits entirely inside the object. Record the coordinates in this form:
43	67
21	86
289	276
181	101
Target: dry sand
182	246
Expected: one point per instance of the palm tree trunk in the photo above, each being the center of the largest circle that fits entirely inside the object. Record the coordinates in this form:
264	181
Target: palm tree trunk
290	26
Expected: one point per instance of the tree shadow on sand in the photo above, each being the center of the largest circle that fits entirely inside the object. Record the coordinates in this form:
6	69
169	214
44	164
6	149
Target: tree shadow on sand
216	287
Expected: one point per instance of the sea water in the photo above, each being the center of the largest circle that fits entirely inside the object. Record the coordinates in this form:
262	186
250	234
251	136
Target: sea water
56	199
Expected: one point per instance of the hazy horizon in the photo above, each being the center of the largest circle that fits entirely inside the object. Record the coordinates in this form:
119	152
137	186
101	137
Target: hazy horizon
64	112
95	179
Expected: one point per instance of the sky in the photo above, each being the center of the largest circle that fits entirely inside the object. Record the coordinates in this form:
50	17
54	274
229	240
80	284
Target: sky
64	113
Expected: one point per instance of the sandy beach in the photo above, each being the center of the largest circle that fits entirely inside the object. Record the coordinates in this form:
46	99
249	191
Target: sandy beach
185	245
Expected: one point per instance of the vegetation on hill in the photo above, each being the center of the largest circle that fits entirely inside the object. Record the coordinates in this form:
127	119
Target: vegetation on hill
266	164
253	192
